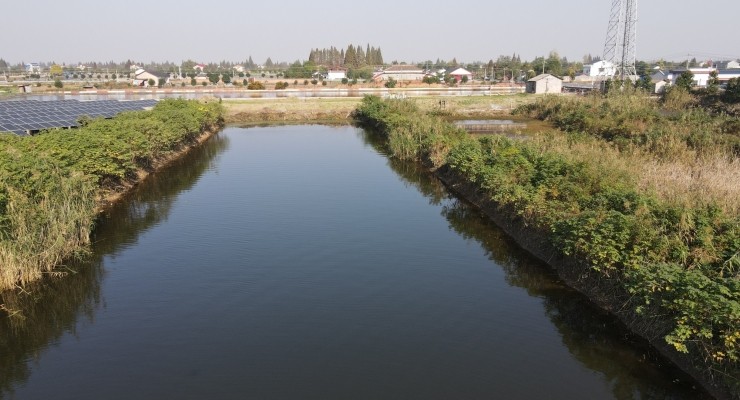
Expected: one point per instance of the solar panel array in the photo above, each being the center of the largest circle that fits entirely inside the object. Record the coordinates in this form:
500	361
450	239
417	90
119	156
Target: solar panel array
28	116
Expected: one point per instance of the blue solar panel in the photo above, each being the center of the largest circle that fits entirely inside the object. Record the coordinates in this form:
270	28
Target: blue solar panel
34	115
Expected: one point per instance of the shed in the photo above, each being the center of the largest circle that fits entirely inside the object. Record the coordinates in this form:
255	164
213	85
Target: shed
544	83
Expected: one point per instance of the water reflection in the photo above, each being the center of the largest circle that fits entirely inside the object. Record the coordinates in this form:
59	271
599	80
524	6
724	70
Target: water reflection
45	311
600	342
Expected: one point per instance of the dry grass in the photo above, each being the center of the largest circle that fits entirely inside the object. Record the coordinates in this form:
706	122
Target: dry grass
706	181
688	181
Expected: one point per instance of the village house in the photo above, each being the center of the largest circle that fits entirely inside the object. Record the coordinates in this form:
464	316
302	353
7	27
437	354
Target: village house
459	73
599	69
141	78
544	83
400	73
336	74
33	68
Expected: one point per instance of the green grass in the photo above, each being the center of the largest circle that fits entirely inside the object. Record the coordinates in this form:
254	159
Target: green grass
51	183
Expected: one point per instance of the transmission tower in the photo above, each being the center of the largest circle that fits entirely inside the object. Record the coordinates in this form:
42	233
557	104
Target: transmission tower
621	38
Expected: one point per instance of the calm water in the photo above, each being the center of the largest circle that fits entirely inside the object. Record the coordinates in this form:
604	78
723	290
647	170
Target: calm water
301	263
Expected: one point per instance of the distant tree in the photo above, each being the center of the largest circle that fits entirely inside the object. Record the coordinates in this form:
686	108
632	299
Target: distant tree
732	92
644	83
204	83
685	80
345	81
464	79
193	82
323	83
255	86
305	82
58	83
391	83
245	82
182	84
241	74
114	76
55	70
314	82
226	78
713	82
295	82
151	82
214	78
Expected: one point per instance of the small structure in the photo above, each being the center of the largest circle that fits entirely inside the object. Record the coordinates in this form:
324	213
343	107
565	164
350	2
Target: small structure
544	83
599	69
336	74
400	73
239	69
459	73
141	78
199	67
33	68
734	64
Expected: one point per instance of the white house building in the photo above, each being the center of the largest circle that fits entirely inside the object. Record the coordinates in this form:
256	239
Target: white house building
336	74
33	68
544	83
599	69
734	64
141	78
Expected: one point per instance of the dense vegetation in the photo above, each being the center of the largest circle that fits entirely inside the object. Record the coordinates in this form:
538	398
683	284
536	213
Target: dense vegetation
663	253
51	183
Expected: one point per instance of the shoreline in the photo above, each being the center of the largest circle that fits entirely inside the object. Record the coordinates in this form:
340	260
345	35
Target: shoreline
569	271
110	196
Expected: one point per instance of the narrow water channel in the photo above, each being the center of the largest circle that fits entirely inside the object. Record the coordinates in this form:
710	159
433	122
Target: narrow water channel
301	263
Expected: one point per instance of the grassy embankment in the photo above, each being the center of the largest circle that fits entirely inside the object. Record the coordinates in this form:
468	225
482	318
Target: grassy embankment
640	199
52	184
302	110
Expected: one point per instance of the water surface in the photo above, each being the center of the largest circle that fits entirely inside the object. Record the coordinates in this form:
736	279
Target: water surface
299	262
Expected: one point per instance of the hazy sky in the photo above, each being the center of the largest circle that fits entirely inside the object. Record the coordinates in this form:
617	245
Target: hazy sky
286	30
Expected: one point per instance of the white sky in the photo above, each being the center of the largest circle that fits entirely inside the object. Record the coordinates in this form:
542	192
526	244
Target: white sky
286	30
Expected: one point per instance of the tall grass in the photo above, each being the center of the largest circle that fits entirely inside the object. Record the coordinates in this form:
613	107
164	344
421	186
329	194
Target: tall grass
50	184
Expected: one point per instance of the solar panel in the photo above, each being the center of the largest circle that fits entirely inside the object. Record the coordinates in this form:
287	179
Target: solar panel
20	116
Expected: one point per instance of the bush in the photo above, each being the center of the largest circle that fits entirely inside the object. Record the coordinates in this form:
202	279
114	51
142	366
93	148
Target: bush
281	85
391	83
732	92
58	83
255	86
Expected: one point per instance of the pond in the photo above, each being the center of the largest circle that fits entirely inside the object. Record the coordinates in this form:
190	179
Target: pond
301	262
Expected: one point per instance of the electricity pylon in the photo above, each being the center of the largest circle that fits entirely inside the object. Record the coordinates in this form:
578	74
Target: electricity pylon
621	38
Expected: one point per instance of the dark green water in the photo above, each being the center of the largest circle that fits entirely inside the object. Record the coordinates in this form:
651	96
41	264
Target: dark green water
301	263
